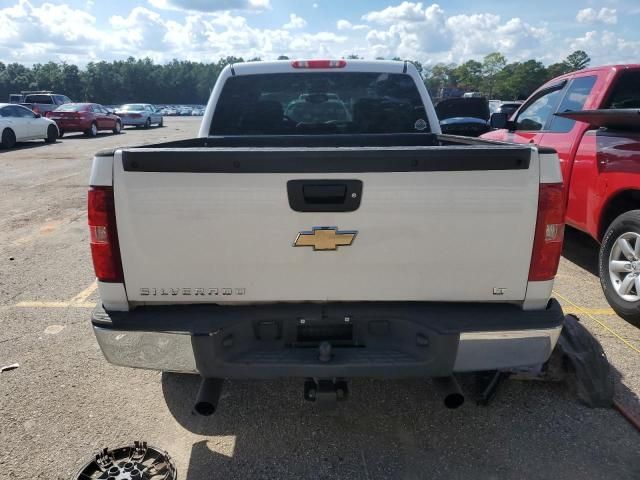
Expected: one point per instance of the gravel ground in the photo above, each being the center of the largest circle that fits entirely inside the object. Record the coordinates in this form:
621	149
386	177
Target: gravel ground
65	402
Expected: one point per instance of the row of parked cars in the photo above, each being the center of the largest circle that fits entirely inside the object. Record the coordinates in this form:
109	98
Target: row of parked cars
48	116
181	110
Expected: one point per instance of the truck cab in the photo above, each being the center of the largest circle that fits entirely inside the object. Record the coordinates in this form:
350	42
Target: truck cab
43	101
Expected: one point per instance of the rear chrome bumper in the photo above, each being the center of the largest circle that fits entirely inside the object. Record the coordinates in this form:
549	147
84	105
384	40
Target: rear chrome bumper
232	351
165	351
506	349
173	351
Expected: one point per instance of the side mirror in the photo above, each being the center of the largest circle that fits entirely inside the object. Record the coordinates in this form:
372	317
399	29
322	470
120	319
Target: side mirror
499	120
37	115
111	112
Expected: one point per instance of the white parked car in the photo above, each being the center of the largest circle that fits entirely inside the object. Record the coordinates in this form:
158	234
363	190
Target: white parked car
139	115
18	124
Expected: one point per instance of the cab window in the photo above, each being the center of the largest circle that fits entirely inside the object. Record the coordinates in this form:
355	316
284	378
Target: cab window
61	99
626	92
536	114
573	101
44	99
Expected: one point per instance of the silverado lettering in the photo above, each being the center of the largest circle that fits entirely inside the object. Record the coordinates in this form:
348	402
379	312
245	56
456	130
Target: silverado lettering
190	291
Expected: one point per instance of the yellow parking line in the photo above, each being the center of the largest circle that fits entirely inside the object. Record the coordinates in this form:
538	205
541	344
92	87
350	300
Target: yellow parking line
589	311
86	293
79	301
602	324
54	305
42	304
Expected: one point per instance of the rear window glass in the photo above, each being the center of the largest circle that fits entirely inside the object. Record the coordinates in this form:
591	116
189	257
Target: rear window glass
69	107
132	106
61	99
626	92
319	102
38	99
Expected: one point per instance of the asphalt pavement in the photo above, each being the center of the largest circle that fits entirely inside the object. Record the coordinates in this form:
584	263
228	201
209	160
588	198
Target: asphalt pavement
65	402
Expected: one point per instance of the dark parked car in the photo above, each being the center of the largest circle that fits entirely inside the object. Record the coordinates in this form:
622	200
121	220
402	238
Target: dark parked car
464	116
85	117
508	107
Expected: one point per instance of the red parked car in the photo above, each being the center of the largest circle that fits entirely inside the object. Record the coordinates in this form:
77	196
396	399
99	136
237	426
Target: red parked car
591	118
85	117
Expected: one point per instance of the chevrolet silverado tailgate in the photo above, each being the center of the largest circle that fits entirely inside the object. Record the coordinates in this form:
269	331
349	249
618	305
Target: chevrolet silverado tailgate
452	223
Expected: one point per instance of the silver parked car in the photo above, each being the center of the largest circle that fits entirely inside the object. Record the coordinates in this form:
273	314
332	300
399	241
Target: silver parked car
139	115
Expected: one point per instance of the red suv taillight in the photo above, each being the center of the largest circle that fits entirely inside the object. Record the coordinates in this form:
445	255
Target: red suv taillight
547	245
104	235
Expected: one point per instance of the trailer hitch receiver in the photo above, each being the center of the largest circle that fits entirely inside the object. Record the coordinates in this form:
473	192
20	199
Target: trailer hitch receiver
325	391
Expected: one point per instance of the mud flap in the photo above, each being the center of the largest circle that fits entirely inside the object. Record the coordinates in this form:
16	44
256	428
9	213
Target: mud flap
588	368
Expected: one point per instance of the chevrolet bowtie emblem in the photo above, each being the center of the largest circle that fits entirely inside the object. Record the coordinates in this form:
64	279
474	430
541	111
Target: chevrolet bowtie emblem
325	238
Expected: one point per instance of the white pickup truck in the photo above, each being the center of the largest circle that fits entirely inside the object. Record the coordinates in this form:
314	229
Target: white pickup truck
321	227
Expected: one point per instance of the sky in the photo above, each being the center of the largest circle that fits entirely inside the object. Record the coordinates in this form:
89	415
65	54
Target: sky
82	31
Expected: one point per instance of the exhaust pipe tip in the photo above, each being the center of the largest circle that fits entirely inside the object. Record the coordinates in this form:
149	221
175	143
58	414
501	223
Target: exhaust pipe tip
450	389
454	400
208	395
204	408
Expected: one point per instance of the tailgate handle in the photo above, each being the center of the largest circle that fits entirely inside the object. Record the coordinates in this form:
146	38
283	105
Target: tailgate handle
324	195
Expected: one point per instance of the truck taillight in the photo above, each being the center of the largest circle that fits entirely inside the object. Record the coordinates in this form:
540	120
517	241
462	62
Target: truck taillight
104	235
547	245
319	63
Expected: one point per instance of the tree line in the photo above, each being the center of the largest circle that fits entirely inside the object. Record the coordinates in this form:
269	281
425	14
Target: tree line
496	78
186	82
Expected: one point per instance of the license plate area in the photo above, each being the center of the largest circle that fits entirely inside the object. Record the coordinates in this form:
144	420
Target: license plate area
334	333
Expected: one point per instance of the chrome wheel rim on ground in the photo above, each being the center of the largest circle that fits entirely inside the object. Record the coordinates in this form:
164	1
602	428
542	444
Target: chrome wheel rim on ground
624	266
138	461
94	130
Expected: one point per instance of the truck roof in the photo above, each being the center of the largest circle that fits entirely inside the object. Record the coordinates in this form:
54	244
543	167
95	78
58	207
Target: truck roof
602	68
285	66
625	66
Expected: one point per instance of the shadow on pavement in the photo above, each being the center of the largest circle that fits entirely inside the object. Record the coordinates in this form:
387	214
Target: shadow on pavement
581	249
399	429
82	136
25	146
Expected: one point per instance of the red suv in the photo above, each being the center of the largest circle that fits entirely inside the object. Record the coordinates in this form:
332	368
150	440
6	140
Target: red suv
85	117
